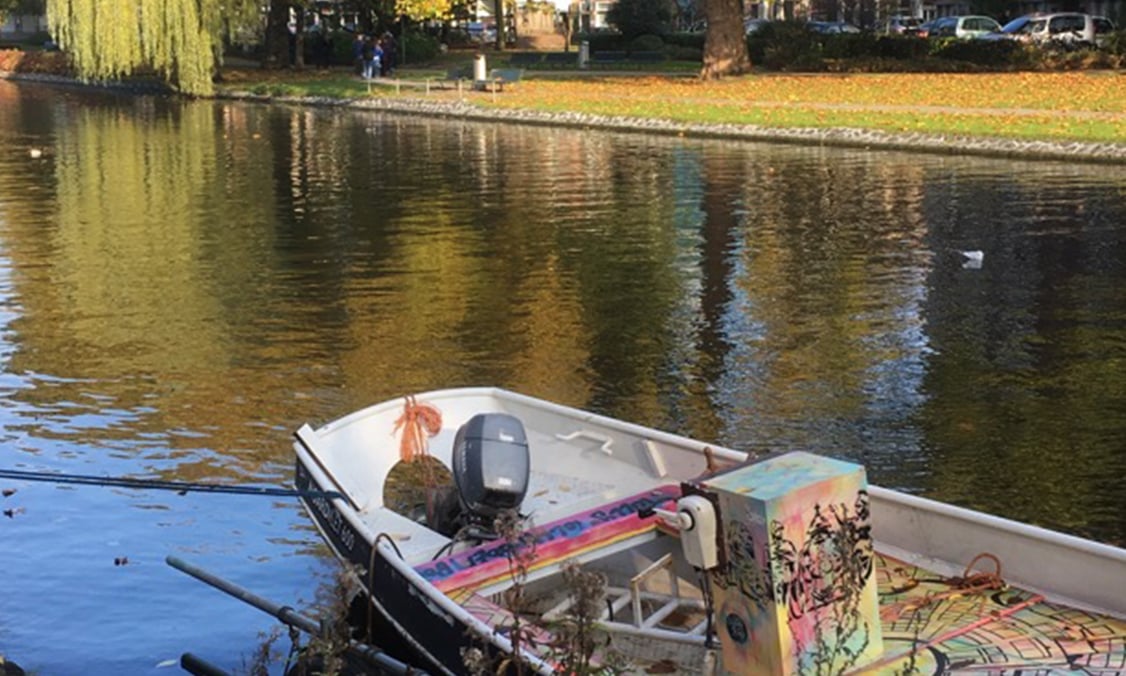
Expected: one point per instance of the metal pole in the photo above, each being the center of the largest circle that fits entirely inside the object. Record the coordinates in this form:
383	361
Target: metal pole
293	618
199	667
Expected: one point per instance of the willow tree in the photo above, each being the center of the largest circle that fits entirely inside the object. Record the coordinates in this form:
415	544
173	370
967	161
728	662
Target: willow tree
725	43
179	39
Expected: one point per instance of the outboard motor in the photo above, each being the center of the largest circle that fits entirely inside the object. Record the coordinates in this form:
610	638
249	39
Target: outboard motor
491	468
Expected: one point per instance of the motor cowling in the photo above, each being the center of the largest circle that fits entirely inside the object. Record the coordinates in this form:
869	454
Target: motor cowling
491	466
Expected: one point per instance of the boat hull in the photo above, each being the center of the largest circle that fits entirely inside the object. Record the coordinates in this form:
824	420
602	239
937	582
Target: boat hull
402	607
922	545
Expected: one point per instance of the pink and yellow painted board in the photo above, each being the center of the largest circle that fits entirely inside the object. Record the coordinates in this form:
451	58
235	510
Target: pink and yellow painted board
797	594
551	543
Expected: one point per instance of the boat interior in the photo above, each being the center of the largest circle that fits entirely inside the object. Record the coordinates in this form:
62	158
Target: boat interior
593	497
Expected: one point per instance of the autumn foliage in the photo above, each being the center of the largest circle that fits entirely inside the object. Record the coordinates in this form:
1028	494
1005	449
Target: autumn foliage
35	61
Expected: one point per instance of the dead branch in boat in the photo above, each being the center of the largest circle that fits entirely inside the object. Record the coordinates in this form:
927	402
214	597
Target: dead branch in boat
578	646
332	644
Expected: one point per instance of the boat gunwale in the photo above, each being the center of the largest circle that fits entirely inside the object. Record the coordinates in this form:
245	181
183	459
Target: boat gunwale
343	507
941	542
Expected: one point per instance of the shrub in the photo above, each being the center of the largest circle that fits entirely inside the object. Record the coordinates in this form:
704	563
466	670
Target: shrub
692	40
646	43
784	45
33	61
342	47
418	47
1002	54
677	53
899	47
1116	44
602	41
848	45
641	17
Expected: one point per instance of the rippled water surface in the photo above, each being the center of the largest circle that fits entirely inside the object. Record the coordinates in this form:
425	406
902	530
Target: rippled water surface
182	284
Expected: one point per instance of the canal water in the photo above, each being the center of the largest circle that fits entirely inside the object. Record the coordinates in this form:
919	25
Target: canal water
182	284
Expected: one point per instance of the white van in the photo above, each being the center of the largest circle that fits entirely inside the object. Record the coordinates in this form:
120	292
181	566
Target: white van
1066	28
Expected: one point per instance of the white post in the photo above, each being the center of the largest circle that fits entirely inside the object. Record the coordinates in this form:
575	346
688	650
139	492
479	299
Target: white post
480	71
584	54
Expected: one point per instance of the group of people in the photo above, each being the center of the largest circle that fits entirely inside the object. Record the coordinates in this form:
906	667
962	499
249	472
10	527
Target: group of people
374	57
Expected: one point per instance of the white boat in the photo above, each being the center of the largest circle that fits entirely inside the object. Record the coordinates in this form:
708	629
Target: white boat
704	560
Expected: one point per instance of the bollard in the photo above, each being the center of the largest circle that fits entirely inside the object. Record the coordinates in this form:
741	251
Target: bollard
584	54
480	72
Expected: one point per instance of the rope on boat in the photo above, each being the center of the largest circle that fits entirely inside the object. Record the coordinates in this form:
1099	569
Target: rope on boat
181	487
418	422
968	584
977	582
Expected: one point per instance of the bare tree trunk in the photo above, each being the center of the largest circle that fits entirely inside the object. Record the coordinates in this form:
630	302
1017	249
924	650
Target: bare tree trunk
725	44
299	38
277	35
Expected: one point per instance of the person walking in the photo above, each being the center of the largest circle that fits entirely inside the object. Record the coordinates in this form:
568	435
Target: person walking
390	55
367	53
358	53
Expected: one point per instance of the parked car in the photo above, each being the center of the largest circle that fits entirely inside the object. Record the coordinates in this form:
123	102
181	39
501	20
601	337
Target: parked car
924	28
963	27
831	27
899	25
751	26
1071	29
482	32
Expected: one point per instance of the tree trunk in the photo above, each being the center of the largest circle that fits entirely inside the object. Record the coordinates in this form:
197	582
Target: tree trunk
299	39
725	44
277	35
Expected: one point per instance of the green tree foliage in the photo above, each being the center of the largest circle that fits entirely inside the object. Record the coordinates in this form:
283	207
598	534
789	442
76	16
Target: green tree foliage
641	17
180	39
423	10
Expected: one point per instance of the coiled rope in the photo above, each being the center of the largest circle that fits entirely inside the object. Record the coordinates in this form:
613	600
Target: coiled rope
419	422
967	584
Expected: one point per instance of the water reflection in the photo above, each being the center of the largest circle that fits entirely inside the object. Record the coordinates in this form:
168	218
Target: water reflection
183	283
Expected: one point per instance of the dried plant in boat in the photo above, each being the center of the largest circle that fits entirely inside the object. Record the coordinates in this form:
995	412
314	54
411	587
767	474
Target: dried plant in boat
332	608
578	637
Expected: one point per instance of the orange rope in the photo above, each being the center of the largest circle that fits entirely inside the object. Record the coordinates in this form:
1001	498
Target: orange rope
967	585
418	422
979	581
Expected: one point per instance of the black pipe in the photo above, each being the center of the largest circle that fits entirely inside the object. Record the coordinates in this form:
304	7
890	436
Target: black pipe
291	617
200	667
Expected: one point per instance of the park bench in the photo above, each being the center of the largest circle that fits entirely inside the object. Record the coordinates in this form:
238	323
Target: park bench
454	77
499	77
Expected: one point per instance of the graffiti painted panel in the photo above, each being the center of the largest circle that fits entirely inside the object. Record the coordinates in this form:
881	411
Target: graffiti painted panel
798	595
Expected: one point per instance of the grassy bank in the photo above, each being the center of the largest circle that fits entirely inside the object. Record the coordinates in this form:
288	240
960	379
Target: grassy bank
1065	106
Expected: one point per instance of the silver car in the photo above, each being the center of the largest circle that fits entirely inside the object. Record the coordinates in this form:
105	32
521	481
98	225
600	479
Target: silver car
1072	29
963	27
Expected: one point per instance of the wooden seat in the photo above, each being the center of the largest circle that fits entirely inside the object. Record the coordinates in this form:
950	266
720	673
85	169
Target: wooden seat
499	77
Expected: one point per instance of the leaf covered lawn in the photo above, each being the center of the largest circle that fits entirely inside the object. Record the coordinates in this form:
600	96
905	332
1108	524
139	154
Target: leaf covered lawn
1071	105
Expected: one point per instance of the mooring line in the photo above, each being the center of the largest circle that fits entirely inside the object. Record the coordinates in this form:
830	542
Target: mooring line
157	484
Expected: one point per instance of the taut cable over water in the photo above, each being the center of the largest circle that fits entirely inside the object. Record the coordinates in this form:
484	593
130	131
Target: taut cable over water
181	487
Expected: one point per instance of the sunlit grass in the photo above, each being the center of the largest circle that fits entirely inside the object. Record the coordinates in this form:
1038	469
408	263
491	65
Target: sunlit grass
1087	106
